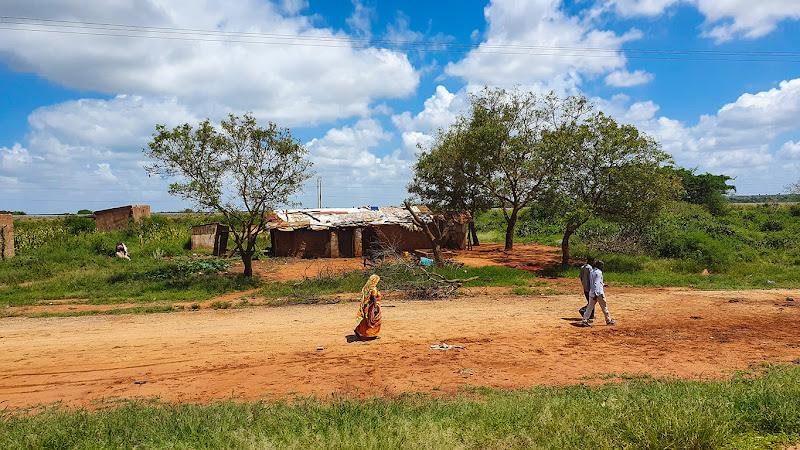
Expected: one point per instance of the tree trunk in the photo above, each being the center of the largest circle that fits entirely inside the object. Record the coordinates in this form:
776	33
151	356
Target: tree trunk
247	262
433	239
565	242
511	223
473	232
565	246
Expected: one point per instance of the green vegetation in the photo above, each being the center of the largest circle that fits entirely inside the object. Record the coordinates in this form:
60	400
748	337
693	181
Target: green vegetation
67	259
776	198
750	246
242	171
754	412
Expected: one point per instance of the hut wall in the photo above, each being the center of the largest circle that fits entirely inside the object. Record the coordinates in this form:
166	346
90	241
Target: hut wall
6	236
115	219
212	236
301	243
400	238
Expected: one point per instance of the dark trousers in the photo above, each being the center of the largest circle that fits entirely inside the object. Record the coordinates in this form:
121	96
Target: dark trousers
583	310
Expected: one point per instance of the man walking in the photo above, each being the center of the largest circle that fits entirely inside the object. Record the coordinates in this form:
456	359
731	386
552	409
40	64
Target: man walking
586	281
597	296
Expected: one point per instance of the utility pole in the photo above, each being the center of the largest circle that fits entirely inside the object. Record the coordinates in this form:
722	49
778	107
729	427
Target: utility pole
319	192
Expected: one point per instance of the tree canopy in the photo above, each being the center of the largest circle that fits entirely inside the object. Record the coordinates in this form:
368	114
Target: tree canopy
516	149
613	172
707	190
240	170
496	150
441	179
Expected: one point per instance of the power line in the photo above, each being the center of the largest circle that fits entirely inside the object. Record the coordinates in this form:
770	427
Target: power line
201	35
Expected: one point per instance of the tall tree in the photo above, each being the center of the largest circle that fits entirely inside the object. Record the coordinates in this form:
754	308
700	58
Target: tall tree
707	189
612	171
441	182
503	141
241	170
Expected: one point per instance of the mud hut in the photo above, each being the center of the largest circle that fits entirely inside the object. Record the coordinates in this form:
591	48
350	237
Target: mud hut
357	232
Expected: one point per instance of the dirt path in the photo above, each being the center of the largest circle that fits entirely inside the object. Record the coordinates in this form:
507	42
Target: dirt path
509	341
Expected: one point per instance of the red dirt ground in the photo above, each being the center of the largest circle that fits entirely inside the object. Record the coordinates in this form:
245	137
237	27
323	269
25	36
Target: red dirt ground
508	341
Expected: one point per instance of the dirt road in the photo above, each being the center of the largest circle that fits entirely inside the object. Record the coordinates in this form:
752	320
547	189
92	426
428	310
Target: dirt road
508	341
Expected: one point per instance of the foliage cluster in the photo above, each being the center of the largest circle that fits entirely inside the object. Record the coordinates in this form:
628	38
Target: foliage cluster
241	170
67	258
744	412
759	240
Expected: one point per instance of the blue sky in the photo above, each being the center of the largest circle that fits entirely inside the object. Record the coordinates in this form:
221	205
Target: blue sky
363	82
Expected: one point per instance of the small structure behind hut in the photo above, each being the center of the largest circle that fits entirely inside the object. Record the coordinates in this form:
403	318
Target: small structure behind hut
116	219
213	236
357	232
6	236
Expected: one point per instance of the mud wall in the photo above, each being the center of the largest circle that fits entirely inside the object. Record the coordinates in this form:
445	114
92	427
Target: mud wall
6	236
116	219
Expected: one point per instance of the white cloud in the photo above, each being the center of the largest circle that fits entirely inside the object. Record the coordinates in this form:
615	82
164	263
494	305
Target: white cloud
360	21
740	140
276	79
745	18
623	78
538	23
629	8
725	19
440	111
90	152
14	158
789	154
104	172
352	173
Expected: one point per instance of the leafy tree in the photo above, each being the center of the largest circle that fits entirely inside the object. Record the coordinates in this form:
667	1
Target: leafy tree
441	178
502	143
242	170
613	172
707	190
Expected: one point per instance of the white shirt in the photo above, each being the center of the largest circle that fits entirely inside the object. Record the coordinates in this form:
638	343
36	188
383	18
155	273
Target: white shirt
597	283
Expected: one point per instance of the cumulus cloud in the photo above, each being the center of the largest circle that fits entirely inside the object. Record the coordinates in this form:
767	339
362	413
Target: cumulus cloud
729	19
90	152
623	78
271	77
346	160
14	158
740	140
538	23
629	8
725	19
790	150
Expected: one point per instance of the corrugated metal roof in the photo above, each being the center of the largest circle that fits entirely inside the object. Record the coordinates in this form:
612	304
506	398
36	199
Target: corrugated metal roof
324	218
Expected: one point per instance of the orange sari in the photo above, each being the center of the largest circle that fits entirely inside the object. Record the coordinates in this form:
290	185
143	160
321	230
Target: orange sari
370	310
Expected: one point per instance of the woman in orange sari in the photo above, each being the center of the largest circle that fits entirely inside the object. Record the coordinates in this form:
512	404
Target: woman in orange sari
370	310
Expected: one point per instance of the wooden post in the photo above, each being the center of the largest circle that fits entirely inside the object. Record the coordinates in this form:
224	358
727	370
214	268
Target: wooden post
357	242
334	244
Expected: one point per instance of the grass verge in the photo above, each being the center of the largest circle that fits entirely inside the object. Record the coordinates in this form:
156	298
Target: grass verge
745	412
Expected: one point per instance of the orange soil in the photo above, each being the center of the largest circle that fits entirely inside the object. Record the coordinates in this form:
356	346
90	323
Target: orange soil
509	341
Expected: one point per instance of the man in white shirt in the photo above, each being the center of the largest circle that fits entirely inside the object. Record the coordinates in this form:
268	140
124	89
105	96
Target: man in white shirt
586	281
597	296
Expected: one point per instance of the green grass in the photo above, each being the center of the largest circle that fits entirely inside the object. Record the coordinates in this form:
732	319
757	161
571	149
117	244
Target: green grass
761	412
316	290
67	259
